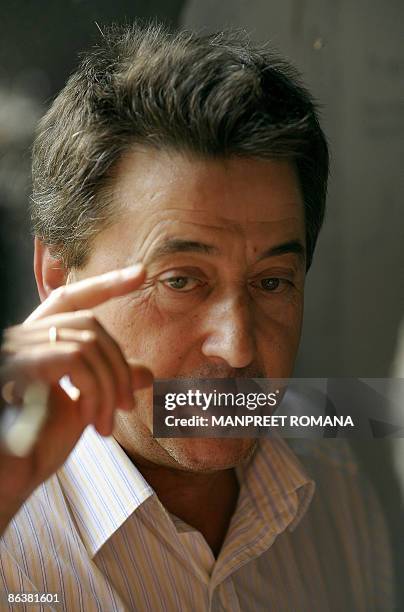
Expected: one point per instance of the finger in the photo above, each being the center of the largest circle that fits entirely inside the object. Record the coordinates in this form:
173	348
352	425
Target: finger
141	376
100	365
90	292
48	365
37	332
95	360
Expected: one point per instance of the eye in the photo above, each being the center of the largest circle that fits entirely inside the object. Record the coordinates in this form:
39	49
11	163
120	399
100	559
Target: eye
270	284
180	283
273	284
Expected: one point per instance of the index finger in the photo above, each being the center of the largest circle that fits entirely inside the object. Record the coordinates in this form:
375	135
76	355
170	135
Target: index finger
90	292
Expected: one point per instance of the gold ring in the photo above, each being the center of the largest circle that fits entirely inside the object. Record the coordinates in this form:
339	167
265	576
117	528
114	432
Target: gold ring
53	334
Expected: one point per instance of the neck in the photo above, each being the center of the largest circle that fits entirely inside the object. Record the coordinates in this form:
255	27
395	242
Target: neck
206	501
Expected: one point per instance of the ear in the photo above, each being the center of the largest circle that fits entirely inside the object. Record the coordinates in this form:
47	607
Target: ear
49	271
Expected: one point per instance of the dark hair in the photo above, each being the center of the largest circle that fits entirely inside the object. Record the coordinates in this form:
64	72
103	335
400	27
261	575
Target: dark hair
214	95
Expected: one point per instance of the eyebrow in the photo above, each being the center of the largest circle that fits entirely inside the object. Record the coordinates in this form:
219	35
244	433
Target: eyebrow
178	245
293	246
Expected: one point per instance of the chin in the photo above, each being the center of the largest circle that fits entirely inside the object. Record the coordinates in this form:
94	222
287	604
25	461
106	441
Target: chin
208	454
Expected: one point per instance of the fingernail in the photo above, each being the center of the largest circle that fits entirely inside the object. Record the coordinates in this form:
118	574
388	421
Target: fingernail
126	402
132	271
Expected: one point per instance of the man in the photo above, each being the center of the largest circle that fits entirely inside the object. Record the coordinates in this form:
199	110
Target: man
195	168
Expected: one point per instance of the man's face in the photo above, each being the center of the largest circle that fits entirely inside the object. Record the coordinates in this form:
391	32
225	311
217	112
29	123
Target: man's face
223	245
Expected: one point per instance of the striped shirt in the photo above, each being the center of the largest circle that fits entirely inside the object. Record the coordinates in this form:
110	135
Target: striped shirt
307	534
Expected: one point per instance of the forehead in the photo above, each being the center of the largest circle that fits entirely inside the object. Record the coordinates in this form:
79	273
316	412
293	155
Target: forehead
239	206
240	191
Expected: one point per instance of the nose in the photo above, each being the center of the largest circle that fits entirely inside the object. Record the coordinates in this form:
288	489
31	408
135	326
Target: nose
229	333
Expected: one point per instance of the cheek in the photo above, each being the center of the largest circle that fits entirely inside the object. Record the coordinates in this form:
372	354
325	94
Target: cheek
145	333
277	337
166	341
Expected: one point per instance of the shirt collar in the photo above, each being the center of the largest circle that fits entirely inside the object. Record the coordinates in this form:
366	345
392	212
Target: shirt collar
275	493
102	487
277	483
